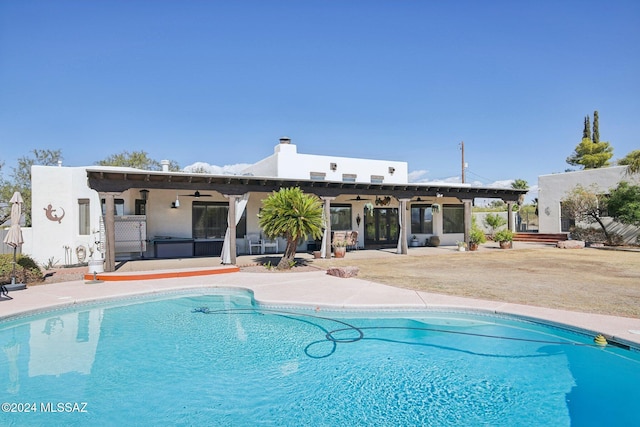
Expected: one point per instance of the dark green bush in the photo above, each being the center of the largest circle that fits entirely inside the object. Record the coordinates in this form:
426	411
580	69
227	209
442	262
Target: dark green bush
27	270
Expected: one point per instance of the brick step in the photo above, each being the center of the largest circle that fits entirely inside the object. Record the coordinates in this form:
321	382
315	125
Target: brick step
540	237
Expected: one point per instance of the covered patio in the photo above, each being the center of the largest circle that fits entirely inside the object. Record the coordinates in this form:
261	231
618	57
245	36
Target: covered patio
111	183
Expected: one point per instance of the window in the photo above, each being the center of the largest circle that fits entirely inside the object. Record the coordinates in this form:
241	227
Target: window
209	221
141	207
118	207
340	217
317	176
566	222
377	179
84	216
349	177
453	219
421	219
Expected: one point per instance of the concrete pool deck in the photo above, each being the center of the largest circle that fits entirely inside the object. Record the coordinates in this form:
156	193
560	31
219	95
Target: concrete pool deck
314	289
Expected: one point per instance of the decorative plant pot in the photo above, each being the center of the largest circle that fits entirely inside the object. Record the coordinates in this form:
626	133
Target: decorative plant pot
96	266
317	254
414	243
434	241
339	251
505	245
473	246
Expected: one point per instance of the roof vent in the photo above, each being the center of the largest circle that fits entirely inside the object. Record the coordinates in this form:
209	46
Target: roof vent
285	140
165	165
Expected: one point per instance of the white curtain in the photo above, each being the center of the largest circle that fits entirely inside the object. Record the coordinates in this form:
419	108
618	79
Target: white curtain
325	237
241	204
400	223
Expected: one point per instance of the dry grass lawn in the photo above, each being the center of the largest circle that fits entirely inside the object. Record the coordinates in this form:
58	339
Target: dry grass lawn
587	280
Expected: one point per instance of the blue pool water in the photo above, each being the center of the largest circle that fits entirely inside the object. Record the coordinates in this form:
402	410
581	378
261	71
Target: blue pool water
215	358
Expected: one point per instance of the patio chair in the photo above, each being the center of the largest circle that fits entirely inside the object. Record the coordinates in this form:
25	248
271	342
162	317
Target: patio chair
352	240
269	244
4	292
253	241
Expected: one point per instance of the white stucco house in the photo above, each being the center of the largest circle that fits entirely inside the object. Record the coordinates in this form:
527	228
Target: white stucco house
131	213
553	188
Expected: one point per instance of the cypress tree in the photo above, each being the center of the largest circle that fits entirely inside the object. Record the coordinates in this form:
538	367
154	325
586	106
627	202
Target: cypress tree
585	130
596	131
588	127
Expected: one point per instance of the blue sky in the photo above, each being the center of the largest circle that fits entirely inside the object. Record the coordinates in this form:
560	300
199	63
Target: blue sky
220	81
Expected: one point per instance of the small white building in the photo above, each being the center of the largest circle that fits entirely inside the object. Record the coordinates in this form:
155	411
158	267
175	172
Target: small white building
552	189
132	213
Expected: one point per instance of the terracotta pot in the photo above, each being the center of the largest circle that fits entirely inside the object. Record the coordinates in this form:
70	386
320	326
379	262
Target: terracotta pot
339	252
505	245
473	246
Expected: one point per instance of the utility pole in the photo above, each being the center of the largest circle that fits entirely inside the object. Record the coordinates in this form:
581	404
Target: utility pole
463	163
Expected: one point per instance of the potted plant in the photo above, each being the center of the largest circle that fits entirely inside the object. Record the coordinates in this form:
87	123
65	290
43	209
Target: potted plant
476	237
504	238
414	241
462	246
339	248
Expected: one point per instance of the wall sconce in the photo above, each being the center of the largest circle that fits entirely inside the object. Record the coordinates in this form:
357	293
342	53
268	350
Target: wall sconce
176	204
391	170
333	166
358	220
144	194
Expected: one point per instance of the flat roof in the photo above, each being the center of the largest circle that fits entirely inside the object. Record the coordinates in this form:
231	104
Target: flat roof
119	180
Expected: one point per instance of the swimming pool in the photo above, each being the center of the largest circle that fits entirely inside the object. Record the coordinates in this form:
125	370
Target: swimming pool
216	358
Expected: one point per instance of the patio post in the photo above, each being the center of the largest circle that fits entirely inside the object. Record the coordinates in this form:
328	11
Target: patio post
405	223
110	233
327	224
468	218
510	221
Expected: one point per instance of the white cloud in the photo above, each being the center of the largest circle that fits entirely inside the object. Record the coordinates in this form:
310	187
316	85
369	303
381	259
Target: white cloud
202	167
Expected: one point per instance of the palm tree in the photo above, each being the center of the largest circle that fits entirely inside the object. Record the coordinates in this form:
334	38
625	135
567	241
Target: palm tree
293	215
632	162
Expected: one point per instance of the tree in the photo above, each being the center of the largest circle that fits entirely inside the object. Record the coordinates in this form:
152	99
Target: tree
520	184
590	153
632	162
136	159
586	132
494	221
596	131
624	204
21	176
293	215
586	204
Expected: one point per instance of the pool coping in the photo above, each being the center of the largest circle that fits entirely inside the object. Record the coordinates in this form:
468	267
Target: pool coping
318	291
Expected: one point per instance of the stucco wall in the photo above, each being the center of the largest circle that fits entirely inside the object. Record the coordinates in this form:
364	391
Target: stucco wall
59	187
553	188
286	162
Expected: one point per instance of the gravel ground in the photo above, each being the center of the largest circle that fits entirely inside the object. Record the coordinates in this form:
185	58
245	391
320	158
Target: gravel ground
585	280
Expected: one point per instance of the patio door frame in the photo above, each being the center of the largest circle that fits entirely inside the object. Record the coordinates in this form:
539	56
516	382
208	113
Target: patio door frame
381	227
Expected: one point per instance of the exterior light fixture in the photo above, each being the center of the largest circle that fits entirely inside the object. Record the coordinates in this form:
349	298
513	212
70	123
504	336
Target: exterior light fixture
358	219
144	195
176	204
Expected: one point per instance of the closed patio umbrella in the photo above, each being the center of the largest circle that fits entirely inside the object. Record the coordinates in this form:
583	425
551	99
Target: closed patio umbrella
14	237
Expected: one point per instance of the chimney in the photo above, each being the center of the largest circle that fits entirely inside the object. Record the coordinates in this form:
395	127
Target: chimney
165	165
285	140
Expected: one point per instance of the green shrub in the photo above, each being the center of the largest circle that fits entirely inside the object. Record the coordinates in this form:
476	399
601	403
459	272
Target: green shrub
503	236
477	236
27	270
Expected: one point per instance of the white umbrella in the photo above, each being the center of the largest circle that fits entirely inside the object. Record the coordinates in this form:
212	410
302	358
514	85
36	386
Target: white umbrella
14	237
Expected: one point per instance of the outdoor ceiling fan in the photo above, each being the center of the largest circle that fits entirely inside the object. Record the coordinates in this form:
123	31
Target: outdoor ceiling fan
358	199
196	195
